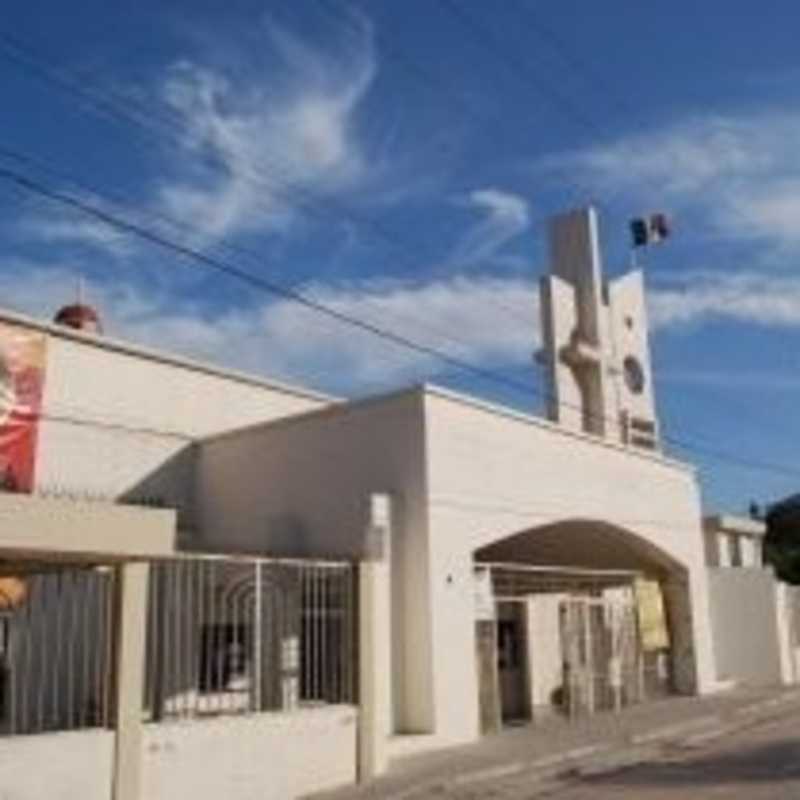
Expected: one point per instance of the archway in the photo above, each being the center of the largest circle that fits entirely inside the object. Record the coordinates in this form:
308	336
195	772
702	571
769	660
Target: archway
588	616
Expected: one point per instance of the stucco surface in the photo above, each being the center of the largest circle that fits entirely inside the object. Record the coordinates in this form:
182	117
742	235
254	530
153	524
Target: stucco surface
264	757
745	625
464	476
493	475
303	486
74	765
118	423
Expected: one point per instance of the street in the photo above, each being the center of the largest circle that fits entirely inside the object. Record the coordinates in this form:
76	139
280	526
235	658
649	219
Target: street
762	763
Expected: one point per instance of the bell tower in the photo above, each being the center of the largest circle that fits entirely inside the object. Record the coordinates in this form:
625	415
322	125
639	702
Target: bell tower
596	349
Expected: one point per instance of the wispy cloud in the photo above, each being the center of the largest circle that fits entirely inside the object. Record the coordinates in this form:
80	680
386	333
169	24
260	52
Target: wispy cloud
693	298
248	153
504	216
83	232
485	320
738	174
284	133
71	231
462	316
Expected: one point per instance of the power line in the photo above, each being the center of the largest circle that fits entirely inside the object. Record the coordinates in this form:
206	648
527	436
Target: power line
262	284
517	66
560	46
431	80
156	125
191	255
232	247
425	76
426	349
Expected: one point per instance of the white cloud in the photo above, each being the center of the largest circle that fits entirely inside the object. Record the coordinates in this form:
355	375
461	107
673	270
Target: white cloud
459	316
286	132
79	231
738	174
488	321
740	380
505	216
749	297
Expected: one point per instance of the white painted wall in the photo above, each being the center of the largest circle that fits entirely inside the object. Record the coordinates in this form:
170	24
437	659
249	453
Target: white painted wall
464	475
544	651
787	644
492	474
71	765
302	487
119	420
745	625
263	757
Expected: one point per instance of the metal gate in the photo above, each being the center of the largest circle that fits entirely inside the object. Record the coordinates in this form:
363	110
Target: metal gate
602	654
608	636
56	650
235	635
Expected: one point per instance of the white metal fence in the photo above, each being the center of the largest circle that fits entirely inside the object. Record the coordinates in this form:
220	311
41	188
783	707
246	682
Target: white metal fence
238	635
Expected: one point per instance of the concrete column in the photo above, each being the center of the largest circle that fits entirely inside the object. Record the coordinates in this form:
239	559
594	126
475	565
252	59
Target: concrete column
375	649
130	625
688	611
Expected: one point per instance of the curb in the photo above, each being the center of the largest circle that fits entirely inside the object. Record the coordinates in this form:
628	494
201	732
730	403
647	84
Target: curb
597	759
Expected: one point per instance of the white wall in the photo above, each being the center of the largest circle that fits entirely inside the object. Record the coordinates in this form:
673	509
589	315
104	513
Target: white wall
302	487
493	474
73	765
745	625
120	421
465	475
545	660
262	757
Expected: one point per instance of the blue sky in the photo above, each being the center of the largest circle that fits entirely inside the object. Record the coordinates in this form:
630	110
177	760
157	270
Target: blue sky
397	161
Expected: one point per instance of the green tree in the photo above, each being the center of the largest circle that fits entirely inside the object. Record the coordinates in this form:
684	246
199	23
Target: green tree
782	540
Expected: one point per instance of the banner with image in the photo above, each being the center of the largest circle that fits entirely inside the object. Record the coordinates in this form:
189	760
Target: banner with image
22	369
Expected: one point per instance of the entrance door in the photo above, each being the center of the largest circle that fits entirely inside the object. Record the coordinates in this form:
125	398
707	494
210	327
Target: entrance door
512	661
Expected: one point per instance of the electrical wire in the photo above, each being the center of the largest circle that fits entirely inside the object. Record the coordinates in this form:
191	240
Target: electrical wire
197	258
166	129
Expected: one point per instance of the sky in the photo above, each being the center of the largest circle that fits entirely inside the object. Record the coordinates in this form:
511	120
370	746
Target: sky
397	162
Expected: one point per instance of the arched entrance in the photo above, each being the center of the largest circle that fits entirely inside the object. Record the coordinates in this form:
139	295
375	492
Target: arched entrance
579	616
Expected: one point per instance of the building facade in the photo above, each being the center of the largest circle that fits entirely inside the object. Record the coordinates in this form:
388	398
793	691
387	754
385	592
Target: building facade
532	565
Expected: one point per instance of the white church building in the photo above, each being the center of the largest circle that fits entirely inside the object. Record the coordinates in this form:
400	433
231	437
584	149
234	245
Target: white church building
527	566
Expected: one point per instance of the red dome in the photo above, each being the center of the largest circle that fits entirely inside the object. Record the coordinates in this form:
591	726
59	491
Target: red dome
80	317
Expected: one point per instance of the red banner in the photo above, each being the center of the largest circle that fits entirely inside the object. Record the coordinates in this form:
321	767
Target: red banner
22	368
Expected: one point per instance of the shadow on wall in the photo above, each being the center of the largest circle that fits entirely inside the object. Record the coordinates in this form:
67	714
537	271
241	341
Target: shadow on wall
173	485
169	486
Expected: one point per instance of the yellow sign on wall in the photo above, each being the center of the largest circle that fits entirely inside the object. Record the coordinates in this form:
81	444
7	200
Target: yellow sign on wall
652	617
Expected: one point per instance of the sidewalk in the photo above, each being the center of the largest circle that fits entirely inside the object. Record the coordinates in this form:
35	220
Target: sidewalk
556	747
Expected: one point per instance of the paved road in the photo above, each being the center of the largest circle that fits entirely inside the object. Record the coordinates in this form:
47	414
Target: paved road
762	763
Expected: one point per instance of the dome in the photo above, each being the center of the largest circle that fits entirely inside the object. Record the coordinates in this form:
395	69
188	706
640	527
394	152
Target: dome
80	317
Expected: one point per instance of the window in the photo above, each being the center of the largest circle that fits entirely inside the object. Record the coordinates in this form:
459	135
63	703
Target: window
734	550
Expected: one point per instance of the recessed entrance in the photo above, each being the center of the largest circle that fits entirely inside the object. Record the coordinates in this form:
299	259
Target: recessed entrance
512	662
575	640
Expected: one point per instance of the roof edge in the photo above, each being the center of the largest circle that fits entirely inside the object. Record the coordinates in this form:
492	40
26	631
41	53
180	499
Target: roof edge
553	427
732	523
140	351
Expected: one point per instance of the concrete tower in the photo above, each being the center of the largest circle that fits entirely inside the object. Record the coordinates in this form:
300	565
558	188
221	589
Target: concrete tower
596	350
